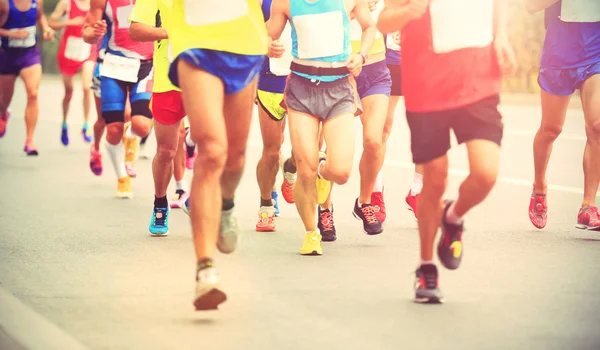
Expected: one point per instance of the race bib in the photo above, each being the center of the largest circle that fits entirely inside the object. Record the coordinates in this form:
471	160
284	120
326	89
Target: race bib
205	12
123	14
77	50
313	41
120	68
391	43
23	43
281	66
460	24
580	11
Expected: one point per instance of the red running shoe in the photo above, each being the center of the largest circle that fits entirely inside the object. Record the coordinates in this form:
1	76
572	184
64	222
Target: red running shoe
588	219
411	200
538	210
378	206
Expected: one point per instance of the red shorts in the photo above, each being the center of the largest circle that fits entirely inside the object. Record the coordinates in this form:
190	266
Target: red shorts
167	107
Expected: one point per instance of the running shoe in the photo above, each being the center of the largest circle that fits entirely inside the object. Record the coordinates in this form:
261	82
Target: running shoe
450	247
159	223
378	206
190	153
427	290
86	138
124	188
179	199
538	210
186	207
275	198
266	220
411	201
64	135
323	186
30	151
95	161
209	294
229	232
366	213
131	150
3	123
326	225
287	187
130	169
588	219
311	244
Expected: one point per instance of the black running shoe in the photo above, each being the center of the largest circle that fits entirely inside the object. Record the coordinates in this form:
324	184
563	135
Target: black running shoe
326	226
450	247
426	285
366	213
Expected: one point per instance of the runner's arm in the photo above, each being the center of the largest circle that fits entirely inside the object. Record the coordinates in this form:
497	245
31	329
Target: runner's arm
143	22
363	16
500	19
534	6
41	18
394	16
275	26
3	18
92	28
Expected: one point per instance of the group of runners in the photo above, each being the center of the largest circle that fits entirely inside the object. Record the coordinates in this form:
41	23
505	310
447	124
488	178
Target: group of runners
194	70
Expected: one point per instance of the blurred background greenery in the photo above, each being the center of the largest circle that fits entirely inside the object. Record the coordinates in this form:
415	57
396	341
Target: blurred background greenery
526	34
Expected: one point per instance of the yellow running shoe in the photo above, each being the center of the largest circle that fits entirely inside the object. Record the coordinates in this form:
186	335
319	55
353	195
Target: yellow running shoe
311	244
131	146
124	188
323	186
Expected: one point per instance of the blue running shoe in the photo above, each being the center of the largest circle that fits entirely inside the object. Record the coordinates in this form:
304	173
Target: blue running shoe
159	223
86	138
186	207
64	135
274	196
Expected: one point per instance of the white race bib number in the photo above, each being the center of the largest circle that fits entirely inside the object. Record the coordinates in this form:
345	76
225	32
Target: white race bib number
123	14
281	66
313	41
580	11
77	50
460	24
23	43
120	68
205	12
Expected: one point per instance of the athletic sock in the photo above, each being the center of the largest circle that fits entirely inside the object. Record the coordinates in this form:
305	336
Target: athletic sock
417	184
319	169
203	264
227	204
129	133
181	185
161	202
85	126
451	216
117	157
427	262
266	202
65	125
378	182
188	140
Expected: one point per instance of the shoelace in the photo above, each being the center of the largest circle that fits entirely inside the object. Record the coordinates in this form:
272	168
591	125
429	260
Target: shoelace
327	221
288	185
430	280
540	204
369	214
159	221
593	213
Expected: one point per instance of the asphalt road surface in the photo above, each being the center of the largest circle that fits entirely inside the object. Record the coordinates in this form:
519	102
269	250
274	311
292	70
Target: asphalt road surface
86	263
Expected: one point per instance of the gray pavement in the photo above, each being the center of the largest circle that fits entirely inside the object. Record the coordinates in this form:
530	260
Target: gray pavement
85	262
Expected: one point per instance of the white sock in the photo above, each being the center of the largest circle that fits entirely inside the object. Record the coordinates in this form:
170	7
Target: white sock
188	140
417	184
181	185
129	133
319	169
451	216
427	262
378	182
117	157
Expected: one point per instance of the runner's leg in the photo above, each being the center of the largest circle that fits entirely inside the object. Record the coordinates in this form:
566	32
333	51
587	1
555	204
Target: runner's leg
590	98
32	76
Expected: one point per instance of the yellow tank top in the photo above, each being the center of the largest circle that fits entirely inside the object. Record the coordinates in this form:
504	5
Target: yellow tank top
235	26
356	33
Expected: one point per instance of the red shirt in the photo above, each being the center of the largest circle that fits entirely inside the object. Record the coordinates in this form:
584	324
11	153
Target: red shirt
437	82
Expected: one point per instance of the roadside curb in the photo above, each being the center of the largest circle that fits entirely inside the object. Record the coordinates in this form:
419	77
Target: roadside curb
31	330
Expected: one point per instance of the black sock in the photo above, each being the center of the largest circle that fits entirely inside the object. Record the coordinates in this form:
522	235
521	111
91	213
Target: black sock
266	202
289	167
190	150
204	263
144	139
161	202
227	204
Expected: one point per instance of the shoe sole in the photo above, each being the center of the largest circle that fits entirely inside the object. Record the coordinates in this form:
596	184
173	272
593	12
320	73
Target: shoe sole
159	234
124	196
314	253
265	230
588	228
210	300
429	300
368	234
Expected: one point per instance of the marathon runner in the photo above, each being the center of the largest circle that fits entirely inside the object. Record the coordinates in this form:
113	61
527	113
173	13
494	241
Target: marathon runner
74	56
451	70
320	91
219	50
126	75
99	125
20	57
271	115
179	166
570	61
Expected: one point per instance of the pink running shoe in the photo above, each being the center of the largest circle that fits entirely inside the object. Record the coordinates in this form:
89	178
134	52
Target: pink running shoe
130	169
95	161
588	219
190	156
3	122
378	205
179	199
538	210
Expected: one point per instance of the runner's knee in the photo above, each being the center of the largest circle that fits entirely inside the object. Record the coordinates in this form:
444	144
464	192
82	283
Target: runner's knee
592	131
550	132
32	96
271	156
484	178
435	179
212	156
372	145
166	152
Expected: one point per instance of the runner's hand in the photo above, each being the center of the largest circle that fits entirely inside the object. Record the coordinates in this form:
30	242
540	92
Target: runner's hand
48	34
505	55
276	49
99	29
417	8
20	34
355	64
